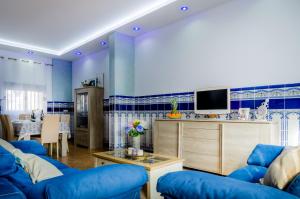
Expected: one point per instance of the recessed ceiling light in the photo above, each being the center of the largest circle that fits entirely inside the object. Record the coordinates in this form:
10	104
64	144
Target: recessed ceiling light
184	8
103	43
30	52
136	28
78	53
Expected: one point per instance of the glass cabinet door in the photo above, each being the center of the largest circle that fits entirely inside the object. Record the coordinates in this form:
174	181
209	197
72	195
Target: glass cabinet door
82	110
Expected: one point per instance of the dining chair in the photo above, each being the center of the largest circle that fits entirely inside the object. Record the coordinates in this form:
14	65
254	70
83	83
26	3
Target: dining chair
65	118
8	128
24	117
50	132
2	134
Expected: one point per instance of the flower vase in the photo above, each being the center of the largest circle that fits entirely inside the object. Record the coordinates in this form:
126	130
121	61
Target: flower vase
136	142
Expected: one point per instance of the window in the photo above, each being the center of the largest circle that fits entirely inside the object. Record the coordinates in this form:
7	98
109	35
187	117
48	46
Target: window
23	100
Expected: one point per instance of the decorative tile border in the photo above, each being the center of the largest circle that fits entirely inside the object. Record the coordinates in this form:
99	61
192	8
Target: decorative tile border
60	107
284	105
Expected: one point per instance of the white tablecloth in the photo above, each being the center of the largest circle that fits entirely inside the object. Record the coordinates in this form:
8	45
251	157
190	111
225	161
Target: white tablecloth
22	127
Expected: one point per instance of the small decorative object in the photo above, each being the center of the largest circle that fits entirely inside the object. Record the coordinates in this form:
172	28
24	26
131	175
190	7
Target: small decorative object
213	116
135	130
85	83
174	113
244	113
140	152
262	111
94	82
130	150
32	116
42	115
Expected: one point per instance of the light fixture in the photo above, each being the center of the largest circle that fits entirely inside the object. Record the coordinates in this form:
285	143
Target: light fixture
107	28
30	52
103	43
184	8
78	53
136	28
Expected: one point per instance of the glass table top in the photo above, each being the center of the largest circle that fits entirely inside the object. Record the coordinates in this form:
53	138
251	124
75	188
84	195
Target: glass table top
148	158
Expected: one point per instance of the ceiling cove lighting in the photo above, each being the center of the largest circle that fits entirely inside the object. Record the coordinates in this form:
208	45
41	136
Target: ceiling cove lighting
106	29
29	47
136	28
103	43
184	8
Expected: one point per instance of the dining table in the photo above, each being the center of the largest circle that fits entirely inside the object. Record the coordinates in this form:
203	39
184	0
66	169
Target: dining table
24	129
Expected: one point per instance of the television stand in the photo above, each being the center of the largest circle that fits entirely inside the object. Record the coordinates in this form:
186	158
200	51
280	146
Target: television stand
213	145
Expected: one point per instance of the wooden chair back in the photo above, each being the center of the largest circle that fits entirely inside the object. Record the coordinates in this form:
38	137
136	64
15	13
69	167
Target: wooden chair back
24	117
50	129
2	129
8	127
65	118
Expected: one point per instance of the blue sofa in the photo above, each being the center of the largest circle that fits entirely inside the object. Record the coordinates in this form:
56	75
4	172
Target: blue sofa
114	181
242	183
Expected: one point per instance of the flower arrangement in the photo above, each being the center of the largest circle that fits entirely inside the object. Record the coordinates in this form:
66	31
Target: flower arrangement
174	112
135	129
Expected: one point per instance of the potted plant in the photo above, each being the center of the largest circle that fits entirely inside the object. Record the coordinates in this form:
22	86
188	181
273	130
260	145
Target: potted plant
135	130
174	112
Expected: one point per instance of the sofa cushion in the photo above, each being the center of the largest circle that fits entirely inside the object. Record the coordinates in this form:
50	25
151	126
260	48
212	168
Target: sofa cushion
195	185
20	179
294	186
250	173
30	146
283	169
38	168
263	155
54	162
7	162
9	191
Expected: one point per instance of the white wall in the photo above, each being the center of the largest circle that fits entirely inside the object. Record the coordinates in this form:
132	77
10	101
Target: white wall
90	66
240	43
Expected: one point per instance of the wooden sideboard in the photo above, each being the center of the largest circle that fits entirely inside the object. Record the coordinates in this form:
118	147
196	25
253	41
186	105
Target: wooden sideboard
217	146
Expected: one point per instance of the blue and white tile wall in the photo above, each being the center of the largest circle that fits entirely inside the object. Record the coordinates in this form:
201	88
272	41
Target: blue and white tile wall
284	107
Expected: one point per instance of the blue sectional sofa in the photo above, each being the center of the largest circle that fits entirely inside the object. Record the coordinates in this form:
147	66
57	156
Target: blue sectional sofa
114	181
242	183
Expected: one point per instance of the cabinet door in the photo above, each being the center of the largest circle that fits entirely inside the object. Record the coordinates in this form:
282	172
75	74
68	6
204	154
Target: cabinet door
82	138
82	108
201	146
238	142
166	138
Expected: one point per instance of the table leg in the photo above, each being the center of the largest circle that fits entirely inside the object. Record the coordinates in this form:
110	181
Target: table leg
64	144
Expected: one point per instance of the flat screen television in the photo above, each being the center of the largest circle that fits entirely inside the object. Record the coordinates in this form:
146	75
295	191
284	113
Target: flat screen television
212	101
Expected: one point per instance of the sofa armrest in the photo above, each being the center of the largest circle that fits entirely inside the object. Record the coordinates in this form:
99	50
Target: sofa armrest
9	191
102	182
30	146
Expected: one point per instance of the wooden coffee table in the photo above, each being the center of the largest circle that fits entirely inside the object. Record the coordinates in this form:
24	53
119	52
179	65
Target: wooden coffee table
155	164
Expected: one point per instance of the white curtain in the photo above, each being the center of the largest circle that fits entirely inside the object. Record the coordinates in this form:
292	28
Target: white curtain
24	86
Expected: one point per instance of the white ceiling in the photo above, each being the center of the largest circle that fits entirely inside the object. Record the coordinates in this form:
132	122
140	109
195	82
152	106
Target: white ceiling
56	28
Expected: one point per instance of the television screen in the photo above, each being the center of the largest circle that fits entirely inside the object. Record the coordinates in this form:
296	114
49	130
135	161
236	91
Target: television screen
212	101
